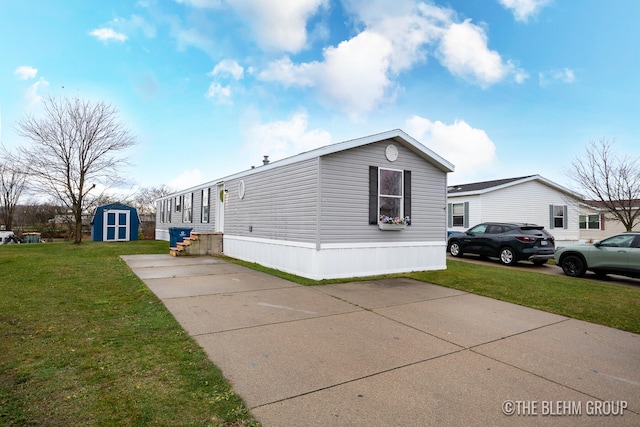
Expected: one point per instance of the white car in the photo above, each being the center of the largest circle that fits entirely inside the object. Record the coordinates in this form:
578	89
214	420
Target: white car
7	237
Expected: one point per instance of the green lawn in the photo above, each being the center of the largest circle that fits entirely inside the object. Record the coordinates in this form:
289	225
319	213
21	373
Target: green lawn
84	342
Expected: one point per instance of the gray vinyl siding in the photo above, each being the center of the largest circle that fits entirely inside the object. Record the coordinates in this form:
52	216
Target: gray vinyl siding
279	204
345	201
196	222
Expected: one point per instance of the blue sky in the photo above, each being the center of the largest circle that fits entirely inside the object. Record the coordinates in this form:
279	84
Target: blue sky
500	88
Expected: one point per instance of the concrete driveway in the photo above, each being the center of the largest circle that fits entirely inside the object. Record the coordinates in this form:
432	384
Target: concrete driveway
395	352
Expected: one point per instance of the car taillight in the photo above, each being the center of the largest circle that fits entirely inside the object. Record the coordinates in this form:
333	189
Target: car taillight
526	239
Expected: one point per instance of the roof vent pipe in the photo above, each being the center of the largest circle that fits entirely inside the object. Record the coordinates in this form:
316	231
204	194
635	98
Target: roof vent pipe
265	161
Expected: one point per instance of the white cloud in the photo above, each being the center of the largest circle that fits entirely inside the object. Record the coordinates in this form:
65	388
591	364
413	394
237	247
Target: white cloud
201	4
278	24
353	76
107	34
470	150
33	95
187	179
565	75
220	94
283	138
230	67
524	9
464	51
285	72
25	72
358	74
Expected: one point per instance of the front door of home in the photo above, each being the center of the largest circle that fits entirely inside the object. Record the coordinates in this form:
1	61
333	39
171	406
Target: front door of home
116	225
220	198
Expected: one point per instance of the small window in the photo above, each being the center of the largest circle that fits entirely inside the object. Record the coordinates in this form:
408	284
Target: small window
161	209
178	203
590	222
205	205
187	214
557	216
390	193
457	211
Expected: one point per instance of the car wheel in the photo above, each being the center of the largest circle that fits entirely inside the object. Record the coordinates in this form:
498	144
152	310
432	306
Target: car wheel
454	249
539	262
507	256
573	266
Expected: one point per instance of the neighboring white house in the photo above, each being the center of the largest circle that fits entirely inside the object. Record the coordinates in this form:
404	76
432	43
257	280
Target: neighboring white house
317	214
596	223
528	199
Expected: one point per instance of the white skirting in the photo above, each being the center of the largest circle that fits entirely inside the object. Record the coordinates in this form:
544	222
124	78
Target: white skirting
338	260
162	234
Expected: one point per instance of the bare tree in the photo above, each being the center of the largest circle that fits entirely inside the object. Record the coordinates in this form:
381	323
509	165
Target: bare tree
73	150
12	184
144	200
612	181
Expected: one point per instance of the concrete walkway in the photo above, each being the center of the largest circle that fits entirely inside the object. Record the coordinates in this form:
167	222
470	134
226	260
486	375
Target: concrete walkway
395	352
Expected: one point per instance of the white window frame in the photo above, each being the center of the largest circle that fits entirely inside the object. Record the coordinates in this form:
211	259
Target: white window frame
454	216
562	209
205	211
400	197
187	211
586	224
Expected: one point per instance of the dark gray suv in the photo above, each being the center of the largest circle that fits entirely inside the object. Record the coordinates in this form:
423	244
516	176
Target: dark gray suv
509	242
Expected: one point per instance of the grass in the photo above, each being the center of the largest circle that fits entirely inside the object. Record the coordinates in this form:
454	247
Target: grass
601	303
84	342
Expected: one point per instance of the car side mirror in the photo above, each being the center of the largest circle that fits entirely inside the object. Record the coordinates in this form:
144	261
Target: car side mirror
597	243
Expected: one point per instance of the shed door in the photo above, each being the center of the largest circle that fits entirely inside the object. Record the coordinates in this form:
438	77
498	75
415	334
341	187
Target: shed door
116	225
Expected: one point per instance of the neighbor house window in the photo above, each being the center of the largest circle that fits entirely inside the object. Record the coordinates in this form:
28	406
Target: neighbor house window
168	216
390	193
590	222
205	205
178	203
187	213
558	216
458	214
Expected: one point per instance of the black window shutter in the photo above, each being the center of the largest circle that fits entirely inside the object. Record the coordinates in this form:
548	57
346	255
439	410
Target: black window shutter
407	194
373	195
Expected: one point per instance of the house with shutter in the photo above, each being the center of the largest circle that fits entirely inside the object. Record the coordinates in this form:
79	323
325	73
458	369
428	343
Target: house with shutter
527	199
597	223
318	214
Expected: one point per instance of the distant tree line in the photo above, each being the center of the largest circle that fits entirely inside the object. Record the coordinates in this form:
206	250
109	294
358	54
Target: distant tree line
74	151
72	156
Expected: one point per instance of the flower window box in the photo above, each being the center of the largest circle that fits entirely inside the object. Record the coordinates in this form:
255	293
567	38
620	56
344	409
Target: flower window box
387	223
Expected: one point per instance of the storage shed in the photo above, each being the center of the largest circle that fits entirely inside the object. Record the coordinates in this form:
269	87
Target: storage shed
115	222
317	214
